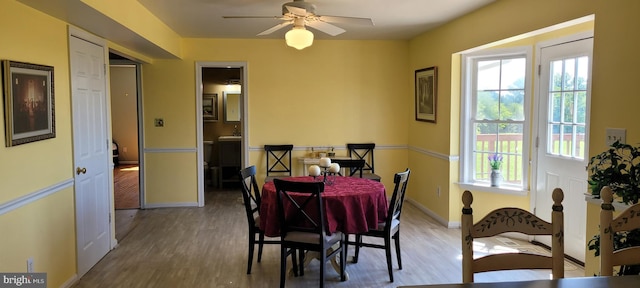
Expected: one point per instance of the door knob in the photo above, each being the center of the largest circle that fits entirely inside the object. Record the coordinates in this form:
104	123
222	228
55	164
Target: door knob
81	170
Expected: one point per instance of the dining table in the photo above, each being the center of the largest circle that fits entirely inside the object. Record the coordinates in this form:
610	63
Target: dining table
574	282
352	205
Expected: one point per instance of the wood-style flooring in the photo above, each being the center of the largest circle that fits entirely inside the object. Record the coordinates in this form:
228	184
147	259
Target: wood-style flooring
207	247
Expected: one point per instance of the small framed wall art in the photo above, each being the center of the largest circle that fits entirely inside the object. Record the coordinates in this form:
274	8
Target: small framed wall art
29	110
426	94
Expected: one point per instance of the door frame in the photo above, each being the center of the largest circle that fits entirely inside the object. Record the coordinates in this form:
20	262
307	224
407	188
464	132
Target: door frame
537	94
244	119
139	118
86	36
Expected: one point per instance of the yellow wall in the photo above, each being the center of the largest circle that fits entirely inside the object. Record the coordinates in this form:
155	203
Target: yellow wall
44	228
329	94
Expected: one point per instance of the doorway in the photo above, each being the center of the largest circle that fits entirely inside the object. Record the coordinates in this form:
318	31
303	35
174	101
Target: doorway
562	129
125	127
221	91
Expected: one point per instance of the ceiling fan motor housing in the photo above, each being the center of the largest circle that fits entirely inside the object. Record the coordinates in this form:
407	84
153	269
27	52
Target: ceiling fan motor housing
309	7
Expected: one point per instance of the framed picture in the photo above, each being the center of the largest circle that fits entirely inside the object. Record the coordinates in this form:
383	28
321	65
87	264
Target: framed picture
426	94
210	107
29	110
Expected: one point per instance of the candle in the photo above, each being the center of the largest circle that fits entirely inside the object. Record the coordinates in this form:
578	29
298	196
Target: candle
334	168
314	170
325	162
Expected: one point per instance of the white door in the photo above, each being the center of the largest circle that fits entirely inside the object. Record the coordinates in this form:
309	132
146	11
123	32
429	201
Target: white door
563	125
90	151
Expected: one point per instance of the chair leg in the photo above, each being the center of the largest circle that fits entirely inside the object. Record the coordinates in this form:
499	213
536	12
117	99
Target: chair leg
397	238
387	250
252	243
294	262
343	259
283	265
260	244
301	263
323	264
358	242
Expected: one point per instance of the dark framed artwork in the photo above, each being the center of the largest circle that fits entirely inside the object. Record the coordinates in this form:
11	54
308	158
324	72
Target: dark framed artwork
210	107
426	94
29	110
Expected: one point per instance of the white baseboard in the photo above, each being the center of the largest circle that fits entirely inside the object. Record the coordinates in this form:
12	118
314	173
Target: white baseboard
70	282
433	215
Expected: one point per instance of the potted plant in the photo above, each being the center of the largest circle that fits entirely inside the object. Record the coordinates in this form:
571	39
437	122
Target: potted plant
495	161
619	168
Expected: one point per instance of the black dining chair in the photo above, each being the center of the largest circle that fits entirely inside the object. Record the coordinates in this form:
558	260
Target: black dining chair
364	151
251	200
278	161
351	166
390	228
303	226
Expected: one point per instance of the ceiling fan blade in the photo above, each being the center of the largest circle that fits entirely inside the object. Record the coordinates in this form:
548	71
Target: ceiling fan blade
275	28
297	11
252	17
326	27
346	20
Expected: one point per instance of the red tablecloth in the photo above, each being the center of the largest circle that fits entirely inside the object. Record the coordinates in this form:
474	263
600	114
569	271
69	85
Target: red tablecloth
352	205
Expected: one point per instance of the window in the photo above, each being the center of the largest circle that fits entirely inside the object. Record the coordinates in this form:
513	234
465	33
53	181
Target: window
495	116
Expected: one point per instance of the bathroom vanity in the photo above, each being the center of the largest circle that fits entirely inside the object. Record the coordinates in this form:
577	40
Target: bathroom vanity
230	159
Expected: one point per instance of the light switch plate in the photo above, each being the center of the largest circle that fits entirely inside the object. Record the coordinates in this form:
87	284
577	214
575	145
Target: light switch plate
616	134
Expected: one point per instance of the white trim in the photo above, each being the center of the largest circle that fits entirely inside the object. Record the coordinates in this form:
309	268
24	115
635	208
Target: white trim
618	206
433	215
499	190
466	169
536	111
173	205
34	196
450	158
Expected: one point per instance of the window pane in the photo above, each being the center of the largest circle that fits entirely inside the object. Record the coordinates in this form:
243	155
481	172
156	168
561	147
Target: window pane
583	70
556	76
566	146
568	107
581	113
487	106
513	72
486	137
488	75
569	74
512	105
556	107
580	143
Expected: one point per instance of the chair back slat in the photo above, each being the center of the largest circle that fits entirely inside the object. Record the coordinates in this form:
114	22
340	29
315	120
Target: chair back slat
352	166
278	159
300	206
250	193
510	219
626	221
363	151
400	180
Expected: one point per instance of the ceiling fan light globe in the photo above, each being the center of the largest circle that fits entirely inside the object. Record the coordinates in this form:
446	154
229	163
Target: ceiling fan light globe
299	38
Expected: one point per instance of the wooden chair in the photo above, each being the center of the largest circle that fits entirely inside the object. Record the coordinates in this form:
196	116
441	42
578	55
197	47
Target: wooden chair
278	161
251	199
512	220
364	151
628	220
303	226
351	166
390	228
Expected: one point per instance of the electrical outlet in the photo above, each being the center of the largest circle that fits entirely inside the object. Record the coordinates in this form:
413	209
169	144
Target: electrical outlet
30	265
438	191
615	134
159	122
124	149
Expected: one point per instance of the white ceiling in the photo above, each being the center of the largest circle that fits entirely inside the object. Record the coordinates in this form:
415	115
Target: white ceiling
399	19
393	20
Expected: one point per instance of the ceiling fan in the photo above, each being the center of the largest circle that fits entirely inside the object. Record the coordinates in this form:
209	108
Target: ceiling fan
301	14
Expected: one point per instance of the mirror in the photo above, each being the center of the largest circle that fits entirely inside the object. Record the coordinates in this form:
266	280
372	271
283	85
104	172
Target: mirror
231	106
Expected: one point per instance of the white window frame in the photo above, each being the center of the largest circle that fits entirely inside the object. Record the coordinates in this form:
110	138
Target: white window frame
468	103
